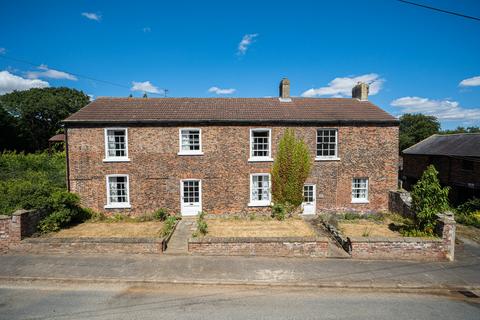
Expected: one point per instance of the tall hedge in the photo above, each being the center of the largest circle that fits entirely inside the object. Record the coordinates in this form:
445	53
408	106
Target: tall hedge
290	169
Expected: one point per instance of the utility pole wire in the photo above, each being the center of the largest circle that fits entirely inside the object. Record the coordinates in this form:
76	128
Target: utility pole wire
74	74
440	10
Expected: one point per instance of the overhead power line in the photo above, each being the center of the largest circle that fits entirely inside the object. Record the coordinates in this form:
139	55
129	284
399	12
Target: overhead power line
72	73
440	10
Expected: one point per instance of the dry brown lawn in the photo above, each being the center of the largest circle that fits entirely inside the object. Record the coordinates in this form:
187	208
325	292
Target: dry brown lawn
259	228
150	229
365	228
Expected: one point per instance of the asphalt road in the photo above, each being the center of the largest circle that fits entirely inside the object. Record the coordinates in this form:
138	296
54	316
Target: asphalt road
67	301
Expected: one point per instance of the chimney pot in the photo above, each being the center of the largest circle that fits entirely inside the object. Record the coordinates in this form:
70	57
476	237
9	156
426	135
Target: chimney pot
284	90
360	91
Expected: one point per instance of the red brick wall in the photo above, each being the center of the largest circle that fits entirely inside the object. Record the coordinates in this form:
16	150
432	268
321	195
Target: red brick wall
155	168
278	247
13	229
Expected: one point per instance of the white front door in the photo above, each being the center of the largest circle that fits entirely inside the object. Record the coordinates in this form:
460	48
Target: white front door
309	199
191	197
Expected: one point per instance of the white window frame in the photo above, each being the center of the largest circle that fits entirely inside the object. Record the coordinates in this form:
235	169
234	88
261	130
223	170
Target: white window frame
360	200
314	192
260	203
260	159
189	152
117	205
326	158
115	159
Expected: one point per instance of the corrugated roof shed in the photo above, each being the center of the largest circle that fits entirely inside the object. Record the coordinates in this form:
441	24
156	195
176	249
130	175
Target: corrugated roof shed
169	110
460	144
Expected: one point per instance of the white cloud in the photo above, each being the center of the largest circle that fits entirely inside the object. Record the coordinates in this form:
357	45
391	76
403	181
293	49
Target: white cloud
442	109
342	87
470	82
3	50
91	97
10	82
144	87
246	42
218	90
49	73
92	16
146	29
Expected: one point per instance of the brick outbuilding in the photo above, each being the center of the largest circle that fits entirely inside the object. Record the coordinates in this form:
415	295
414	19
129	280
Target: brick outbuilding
136	155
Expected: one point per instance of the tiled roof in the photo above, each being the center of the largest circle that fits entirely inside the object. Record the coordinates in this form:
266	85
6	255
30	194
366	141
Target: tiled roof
460	145
166	110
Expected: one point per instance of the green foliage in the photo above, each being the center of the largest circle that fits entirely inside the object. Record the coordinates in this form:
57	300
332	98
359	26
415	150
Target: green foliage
168	225
411	231
202	227
416	127
468	213
290	170
161	214
429	199
35	115
462	130
374	216
279	211
28	180
65	210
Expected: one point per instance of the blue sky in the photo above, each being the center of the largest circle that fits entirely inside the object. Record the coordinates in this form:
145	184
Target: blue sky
415	59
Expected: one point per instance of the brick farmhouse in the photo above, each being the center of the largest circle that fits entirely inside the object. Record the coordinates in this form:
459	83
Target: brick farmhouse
135	155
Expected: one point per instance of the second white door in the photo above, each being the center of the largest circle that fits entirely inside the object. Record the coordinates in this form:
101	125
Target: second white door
309	199
191	197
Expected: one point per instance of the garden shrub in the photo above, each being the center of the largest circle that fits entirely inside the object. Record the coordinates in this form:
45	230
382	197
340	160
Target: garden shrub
168	225
160	214
27	181
468	213
279	211
202	226
429	199
65	210
290	170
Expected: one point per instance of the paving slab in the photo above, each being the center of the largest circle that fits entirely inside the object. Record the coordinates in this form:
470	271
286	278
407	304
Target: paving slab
462	273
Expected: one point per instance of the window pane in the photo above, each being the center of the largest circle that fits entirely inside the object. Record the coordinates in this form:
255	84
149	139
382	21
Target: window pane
117	189
116	143
260	187
260	143
190	140
326	142
360	188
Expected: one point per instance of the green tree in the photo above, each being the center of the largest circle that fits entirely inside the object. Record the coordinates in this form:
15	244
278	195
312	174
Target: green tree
462	130
291	168
416	127
7	130
429	199
38	114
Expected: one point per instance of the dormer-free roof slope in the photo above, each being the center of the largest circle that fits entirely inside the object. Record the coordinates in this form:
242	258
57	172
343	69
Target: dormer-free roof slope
231	110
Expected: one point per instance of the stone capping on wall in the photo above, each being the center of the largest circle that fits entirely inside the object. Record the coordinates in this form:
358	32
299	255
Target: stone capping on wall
260	246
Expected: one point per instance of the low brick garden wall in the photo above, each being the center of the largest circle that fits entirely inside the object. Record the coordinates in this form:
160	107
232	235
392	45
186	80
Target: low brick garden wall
15	230
259	246
89	245
409	248
21	224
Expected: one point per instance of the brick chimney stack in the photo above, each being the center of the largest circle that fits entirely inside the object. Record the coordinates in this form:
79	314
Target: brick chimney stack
284	90
360	91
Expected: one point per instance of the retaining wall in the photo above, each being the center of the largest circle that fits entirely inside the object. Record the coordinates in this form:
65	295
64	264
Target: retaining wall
260	246
409	248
